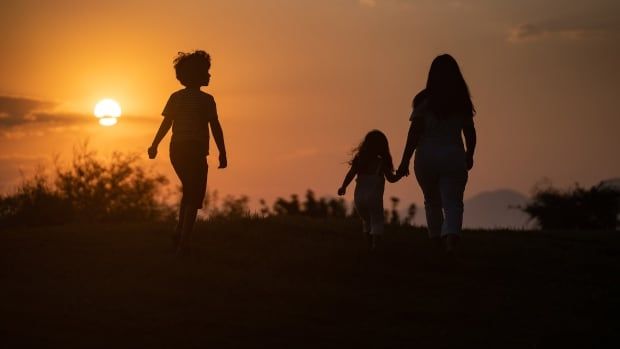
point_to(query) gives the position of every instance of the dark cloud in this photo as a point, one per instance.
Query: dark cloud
(16, 111)
(564, 29)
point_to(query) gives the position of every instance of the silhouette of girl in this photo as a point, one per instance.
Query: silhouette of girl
(441, 113)
(190, 113)
(372, 164)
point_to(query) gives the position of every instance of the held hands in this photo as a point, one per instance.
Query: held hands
(223, 160)
(152, 151)
(403, 169)
(342, 191)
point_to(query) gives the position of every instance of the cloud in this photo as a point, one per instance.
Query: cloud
(19, 110)
(564, 29)
(368, 3)
(24, 117)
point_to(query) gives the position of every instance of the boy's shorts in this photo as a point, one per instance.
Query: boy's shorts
(190, 164)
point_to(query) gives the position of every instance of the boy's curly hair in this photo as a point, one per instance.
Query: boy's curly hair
(191, 67)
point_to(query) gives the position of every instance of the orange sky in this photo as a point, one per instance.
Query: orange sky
(299, 83)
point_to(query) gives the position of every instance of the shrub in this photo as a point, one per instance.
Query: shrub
(90, 189)
(576, 208)
(34, 202)
(118, 189)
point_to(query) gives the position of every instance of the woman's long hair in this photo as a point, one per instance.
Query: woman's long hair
(446, 89)
(374, 145)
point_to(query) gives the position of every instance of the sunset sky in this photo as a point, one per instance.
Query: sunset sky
(299, 83)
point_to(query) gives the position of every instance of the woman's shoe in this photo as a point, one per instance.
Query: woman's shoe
(452, 242)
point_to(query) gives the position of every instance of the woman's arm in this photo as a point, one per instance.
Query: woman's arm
(469, 132)
(166, 123)
(218, 135)
(347, 179)
(413, 138)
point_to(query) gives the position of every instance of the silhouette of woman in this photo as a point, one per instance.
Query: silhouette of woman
(441, 113)
(190, 113)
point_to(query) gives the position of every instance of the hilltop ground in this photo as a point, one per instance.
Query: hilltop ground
(302, 283)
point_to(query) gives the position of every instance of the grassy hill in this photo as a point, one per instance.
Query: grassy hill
(303, 283)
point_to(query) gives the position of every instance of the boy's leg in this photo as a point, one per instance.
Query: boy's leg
(179, 229)
(189, 218)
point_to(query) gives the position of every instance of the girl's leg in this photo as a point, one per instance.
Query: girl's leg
(377, 220)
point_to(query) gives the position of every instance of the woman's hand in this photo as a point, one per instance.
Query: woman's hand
(152, 151)
(469, 161)
(403, 169)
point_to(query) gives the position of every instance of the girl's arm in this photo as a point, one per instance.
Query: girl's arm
(347, 179)
(469, 131)
(218, 135)
(166, 123)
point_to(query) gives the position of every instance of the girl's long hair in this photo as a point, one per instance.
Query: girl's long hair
(374, 145)
(446, 89)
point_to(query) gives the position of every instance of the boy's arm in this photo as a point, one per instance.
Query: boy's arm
(218, 136)
(166, 123)
(469, 132)
(347, 179)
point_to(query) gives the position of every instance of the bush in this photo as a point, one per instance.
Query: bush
(117, 190)
(35, 202)
(90, 189)
(576, 208)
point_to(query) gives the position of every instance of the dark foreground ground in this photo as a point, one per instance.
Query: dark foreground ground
(305, 284)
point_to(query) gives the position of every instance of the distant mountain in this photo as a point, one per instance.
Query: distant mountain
(613, 183)
(495, 209)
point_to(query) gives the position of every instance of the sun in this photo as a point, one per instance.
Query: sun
(108, 111)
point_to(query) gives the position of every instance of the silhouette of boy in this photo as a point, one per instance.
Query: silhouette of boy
(190, 113)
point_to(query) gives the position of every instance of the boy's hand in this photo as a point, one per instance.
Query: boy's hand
(223, 160)
(342, 191)
(152, 152)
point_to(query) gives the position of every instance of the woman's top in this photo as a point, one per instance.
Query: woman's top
(191, 111)
(438, 131)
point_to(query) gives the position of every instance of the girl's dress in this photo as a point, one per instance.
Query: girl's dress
(368, 199)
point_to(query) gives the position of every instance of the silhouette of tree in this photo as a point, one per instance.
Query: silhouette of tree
(337, 208)
(394, 216)
(264, 209)
(283, 207)
(34, 203)
(90, 189)
(411, 211)
(235, 207)
(311, 206)
(118, 189)
(576, 208)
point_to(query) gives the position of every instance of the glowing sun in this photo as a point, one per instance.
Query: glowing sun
(108, 111)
